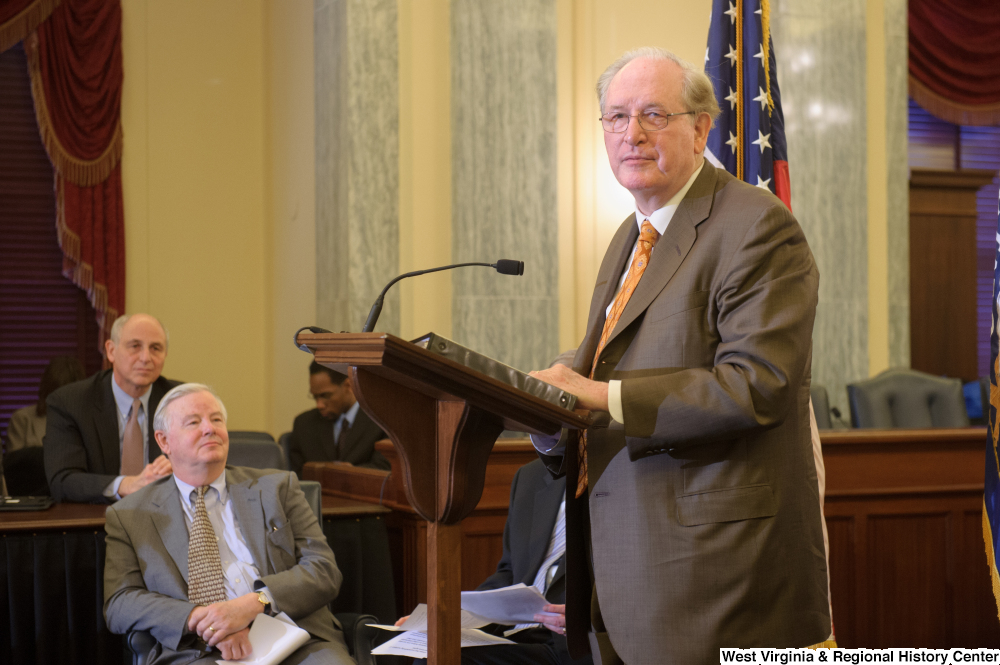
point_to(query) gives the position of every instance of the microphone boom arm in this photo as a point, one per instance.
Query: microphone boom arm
(377, 307)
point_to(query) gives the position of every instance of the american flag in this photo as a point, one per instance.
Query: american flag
(991, 494)
(748, 139)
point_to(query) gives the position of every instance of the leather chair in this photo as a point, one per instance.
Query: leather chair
(25, 472)
(285, 441)
(256, 450)
(821, 406)
(357, 633)
(906, 398)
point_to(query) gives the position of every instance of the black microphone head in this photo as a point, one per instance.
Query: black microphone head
(835, 411)
(509, 267)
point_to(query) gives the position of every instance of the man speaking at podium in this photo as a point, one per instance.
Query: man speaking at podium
(696, 508)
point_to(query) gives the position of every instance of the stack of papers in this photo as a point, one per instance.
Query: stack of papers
(509, 605)
(272, 639)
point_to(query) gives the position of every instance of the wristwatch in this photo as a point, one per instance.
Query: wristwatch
(262, 599)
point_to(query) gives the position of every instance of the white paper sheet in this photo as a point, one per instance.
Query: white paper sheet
(414, 643)
(272, 639)
(418, 621)
(509, 606)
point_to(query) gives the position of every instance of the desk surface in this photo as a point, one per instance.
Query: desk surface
(64, 516)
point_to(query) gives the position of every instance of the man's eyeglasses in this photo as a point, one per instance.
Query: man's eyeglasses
(322, 397)
(651, 121)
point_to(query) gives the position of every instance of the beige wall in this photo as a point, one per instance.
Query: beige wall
(291, 212)
(218, 193)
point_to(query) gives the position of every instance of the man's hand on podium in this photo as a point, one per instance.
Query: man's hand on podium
(591, 395)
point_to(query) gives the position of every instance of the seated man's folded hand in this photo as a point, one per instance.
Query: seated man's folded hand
(236, 646)
(217, 621)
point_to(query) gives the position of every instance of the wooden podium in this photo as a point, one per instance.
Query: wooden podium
(443, 418)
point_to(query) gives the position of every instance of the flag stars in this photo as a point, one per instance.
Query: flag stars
(763, 140)
(731, 14)
(762, 98)
(732, 142)
(764, 184)
(731, 99)
(760, 53)
(732, 55)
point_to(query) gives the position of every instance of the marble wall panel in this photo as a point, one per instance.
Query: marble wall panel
(897, 186)
(820, 51)
(503, 114)
(357, 161)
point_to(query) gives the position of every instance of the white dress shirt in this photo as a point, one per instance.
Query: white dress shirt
(237, 562)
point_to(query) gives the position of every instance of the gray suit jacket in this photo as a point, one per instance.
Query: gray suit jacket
(145, 572)
(703, 508)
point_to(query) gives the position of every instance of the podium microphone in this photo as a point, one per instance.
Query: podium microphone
(503, 266)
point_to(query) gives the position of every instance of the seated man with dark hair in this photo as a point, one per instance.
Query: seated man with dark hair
(337, 430)
(194, 557)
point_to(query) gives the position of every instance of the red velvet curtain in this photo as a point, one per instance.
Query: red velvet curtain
(954, 63)
(18, 18)
(75, 61)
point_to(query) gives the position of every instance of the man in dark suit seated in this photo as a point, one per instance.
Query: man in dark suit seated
(98, 444)
(534, 546)
(337, 430)
(193, 558)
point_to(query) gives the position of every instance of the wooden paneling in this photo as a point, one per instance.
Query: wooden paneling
(482, 531)
(943, 262)
(907, 558)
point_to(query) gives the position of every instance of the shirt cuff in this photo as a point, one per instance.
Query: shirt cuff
(111, 491)
(615, 401)
(548, 445)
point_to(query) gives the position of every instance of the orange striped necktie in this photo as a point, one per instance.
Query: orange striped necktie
(643, 249)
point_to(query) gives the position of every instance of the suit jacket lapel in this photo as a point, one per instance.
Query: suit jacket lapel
(106, 422)
(170, 523)
(543, 520)
(671, 248)
(250, 515)
(610, 272)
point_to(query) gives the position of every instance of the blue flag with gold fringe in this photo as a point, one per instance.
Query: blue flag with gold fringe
(991, 493)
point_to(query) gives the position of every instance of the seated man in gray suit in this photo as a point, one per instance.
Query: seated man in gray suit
(337, 430)
(194, 557)
(98, 444)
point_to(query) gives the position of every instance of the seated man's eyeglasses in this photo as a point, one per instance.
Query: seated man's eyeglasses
(651, 121)
(322, 397)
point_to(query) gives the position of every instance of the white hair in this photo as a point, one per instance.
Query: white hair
(697, 93)
(161, 421)
(119, 325)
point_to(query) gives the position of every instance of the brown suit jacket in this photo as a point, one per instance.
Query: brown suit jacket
(703, 508)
